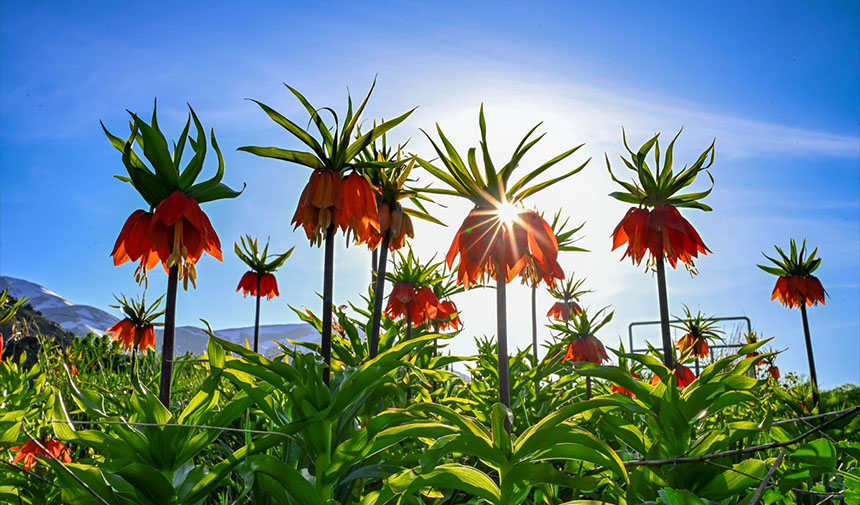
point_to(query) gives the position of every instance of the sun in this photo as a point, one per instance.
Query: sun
(507, 213)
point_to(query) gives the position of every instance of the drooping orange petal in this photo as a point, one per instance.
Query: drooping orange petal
(269, 286)
(620, 389)
(659, 231)
(248, 283)
(588, 349)
(445, 311)
(147, 341)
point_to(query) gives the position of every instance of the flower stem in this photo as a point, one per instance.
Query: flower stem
(378, 293)
(668, 357)
(328, 281)
(588, 388)
(168, 337)
(534, 322)
(502, 331)
(408, 337)
(812, 375)
(257, 318)
(134, 377)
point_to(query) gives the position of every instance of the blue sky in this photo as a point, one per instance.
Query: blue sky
(775, 83)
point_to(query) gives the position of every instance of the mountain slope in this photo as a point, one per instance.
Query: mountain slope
(83, 319)
(79, 319)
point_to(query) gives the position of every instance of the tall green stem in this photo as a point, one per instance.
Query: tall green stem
(668, 357)
(812, 375)
(534, 322)
(328, 282)
(168, 337)
(378, 293)
(502, 332)
(257, 318)
(407, 338)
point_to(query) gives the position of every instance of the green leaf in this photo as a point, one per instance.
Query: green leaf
(294, 129)
(449, 476)
(300, 157)
(734, 482)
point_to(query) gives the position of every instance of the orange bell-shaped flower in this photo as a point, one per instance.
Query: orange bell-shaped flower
(620, 389)
(358, 212)
(267, 282)
(418, 305)
(564, 311)
(444, 311)
(697, 345)
(182, 231)
(587, 348)
(794, 291)
(394, 220)
(661, 231)
(134, 244)
(319, 204)
(30, 452)
(131, 336)
(683, 375)
(485, 242)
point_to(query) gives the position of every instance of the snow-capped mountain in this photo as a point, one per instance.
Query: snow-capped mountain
(84, 319)
(78, 319)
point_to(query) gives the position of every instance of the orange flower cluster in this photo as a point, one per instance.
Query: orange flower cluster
(586, 349)
(564, 311)
(30, 452)
(623, 390)
(795, 290)
(346, 202)
(421, 306)
(773, 371)
(177, 233)
(660, 231)
(484, 242)
(683, 375)
(394, 220)
(267, 282)
(418, 306)
(444, 311)
(698, 344)
(133, 336)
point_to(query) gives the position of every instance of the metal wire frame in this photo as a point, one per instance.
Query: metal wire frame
(675, 321)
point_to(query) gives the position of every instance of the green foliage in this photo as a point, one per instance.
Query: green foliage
(338, 148)
(403, 428)
(8, 307)
(794, 263)
(164, 177)
(660, 187)
(493, 187)
(258, 262)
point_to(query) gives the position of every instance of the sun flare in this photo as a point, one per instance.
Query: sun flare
(507, 213)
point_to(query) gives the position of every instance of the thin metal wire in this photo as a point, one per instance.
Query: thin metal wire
(28, 472)
(64, 467)
(177, 425)
(676, 321)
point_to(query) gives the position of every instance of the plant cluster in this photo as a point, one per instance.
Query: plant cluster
(377, 413)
